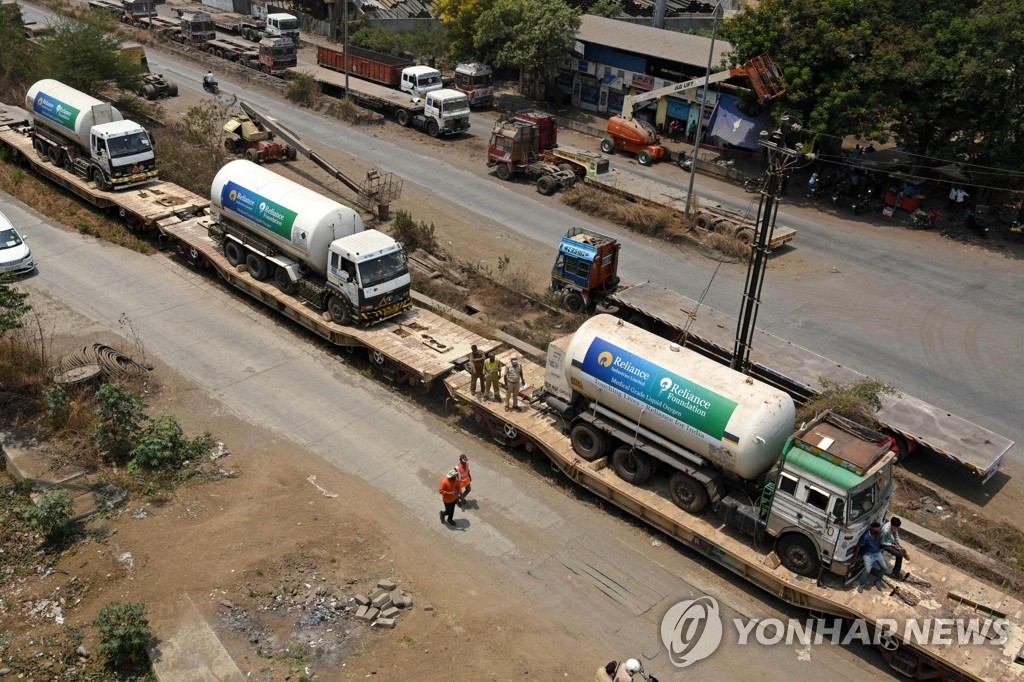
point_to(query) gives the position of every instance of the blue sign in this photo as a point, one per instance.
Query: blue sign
(579, 250)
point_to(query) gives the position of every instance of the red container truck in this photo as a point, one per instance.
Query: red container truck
(365, 64)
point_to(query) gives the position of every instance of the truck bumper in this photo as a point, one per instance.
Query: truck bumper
(372, 317)
(136, 179)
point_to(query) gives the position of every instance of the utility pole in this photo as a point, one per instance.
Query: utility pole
(781, 159)
(700, 121)
(345, 43)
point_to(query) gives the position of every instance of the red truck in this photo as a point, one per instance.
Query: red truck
(365, 64)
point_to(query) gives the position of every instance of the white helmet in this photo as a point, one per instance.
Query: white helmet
(633, 666)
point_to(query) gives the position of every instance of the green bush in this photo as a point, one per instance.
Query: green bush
(124, 634)
(414, 235)
(161, 445)
(51, 515)
(120, 418)
(58, 406)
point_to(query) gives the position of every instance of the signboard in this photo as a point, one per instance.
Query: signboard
(642, 81)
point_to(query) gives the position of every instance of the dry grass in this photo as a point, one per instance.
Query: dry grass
(23, 371)
(191, 150)
(640, 218)
(727, 246)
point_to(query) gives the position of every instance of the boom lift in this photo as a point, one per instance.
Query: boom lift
(639, 137)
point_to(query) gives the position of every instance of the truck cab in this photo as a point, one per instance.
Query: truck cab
(371, 271)
(448, 110)
(281, 25)
(475, 80)
(124, 152)
(136, 10)
(585, 268)
(197, 28)
(419, 80)
(277, 55)
(833, 480)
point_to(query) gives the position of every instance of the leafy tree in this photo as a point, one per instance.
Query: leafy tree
(51, 514)
(83, 53)
(14, 45)
(460, 20)
(606, 8)
(124, 634)
(424, 44)
(120, 419)
(527, 34)
(12, 306)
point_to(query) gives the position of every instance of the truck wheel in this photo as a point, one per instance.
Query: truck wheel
(54, 155)
(632, 465)
(338, 310)
(607, 146)
(588, 442)
(257, 266)
(432, 128)
(40, 148)
(149, 92)
(100, 180)
(233, 252)
(567, 167)
(575, 303)
(797, 553)
(290, 153)
(745, 235)
(172, 89)
(687, 492)
(644, 158)
(403, 118)
(502, 171)
(702, 222)
(253, 155)
(283, 281)
(231, 144)
(546, 185)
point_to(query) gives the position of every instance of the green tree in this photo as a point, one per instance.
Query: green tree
(12, 306)
(15, 47)
(606, 8)
(527, 34)
(124, 635)
(120, 418)
(83, 53)
(460, 20)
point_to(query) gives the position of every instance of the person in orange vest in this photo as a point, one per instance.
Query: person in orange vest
(464, 478)
(449, 490)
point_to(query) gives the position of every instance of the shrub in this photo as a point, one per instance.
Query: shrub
(162, 445)
(302, 89)
(120, 414)
(124, 634)
(51, 515)
(58, 406)
(414, 235)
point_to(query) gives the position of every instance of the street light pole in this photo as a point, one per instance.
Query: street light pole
(700, 121)
(345, 43)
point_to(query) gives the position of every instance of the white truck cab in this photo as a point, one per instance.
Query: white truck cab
(370, 269)
(419, 80)
(124, 150)
(449, 109)
(281, 25)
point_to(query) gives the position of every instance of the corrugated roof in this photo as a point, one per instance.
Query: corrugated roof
(684, 48)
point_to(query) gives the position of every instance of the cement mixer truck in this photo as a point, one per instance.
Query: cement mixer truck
(88, 137)
(311, 246)
(727, 439)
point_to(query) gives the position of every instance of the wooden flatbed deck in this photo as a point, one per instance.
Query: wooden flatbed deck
(372, 95)
(951, 593)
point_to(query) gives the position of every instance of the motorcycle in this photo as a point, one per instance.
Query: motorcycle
(972, 224)
(211, 86)
(756, 184)
(862, 202)
(927, 221)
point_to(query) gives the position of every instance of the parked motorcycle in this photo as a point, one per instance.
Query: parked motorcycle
(756, 184)
(972, 224)
(862, 202)
(927, 221)
(211, 86)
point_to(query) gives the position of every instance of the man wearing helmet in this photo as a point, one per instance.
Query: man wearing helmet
(449, 490)
(464, 478)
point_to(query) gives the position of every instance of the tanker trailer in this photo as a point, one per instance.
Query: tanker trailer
(726, 440)
(88, 137)
(313, 246)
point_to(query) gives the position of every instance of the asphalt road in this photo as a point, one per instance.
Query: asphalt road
(533, 532)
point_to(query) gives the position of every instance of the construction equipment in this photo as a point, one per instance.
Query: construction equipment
(151, 85)
(375, 193)
(252, 140)
(639, 137)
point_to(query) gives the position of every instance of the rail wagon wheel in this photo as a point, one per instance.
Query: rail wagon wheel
(511, 432)
(378, 358)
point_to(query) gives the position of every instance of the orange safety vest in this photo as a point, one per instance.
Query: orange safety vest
(449, 489)
(464, 476)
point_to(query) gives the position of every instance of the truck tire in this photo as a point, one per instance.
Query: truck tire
(65, 161)
(503, 171)
(797, 553)
(402, 116)
(283, 281)
(231, 144)
(546, 185)
(687, 492)
(567, 167)
(432, 128)
(149, 92)
(290, 153)
(172, 89)
(644, 158)
(233, 252)
(702, 222)
(745, 235)
(257, 266)
(40, 148)
(588, 442)
(100, 180)
(253, 155)
(607, 146)
(575, 303)
(53, 153)
(632, 465)
(338, 310)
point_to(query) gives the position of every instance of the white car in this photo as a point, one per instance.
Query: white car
(15, 257)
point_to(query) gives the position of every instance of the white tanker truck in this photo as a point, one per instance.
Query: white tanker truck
(312, 246)
(88, 137)
(728, 440)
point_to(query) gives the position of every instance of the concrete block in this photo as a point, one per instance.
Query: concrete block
(366, 613)
(388, 623)
(390, 612)
(386, 584)
(406, 600)
(382, 602)
(361, 599)
(376, 593)
(396, 595)
(361, 612)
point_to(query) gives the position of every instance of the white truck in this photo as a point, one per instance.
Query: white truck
(725, 439)
(89, 137)
(281, 25)
(418, 80)
(310, 245)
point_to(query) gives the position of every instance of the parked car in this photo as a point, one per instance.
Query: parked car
(15, 256)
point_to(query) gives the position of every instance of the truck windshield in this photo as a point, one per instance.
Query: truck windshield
(455, 106)
(127, 145)
(866, 499)
(288, 24)
(382, 269)
(432, 79)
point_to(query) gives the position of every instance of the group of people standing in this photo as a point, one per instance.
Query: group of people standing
(486, 369)
(454, 488)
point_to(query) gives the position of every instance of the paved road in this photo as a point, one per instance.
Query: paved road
(534, 533)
